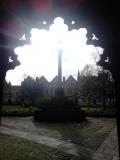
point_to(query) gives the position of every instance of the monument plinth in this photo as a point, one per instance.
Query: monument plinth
(59, 109)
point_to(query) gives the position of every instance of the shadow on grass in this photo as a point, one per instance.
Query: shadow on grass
(89, 133)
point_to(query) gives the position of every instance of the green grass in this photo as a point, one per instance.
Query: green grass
(75, 132)
(91, 109)
(99, 110)
(18, 109)
(88, 134)
(12, 148)
(83, 133)
(93, 131)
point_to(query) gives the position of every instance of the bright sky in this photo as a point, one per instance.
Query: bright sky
(41, 57)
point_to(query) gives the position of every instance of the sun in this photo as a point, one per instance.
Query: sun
(40, 58)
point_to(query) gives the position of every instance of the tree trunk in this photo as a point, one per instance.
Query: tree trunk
(104, 106)
(104, 94)
(2, 78)
(110, 103)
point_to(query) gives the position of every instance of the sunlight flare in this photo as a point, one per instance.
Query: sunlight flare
(40, 58)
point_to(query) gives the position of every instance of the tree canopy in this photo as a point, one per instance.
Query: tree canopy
(93, 87)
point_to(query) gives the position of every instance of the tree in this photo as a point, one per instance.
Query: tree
(93, 85)
(88, 88)
(106, 87)
(89, 70)
(87, 83)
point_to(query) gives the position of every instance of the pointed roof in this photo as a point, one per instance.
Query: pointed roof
(71, 79)
(55, 79)
(43, 79)
(55, 82)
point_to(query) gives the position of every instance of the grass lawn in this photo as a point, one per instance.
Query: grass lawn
(12, 148)
(99, 111)
(17, 109)
(29, 110)
(89, 133)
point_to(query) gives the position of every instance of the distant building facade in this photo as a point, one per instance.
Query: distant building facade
(70, 86)
(13, 93)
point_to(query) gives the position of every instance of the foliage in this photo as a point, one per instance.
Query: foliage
(93, 87)
(89, 70)
(88, 83)
(42, 101)
(106, 83)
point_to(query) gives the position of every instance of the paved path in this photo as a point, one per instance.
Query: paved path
(109, 148)
(64, 146)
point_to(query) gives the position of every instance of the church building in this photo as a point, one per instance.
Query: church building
(69, 85)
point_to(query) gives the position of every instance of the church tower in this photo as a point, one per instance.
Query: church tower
(60, 65)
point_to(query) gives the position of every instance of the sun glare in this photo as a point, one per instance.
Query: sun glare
(40, 58)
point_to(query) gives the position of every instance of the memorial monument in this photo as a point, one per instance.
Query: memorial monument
(59, 108)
